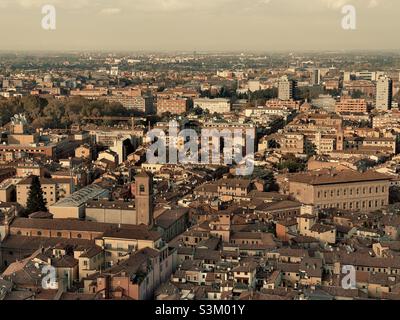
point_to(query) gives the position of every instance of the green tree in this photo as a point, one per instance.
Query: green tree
(54, 111)
(197, 111)
(310, 149)
(36, 201)
(292, 165)
(394, 195)
(33, 105)
(266, 94)
(357, 94)
(166, 116)
(273, 144)
(270, 182)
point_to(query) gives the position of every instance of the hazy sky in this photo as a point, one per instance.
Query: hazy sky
(201, 25)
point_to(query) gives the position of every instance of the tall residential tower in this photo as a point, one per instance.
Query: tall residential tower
(384, 93)
(286, 89)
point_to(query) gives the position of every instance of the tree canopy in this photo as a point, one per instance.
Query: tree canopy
(53, 113)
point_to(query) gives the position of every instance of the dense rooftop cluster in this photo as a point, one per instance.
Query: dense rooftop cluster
(322, 196)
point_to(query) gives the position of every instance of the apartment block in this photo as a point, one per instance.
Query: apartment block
(144, 104)
(346, 190)
(286, 88)
(346, 105)
(172, 105)
(213, 105)
(384, 93)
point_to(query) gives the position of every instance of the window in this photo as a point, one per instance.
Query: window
(142, 188)
(39, 233)
(79, 235)
(59, 234)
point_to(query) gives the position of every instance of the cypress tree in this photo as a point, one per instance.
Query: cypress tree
(36, 201)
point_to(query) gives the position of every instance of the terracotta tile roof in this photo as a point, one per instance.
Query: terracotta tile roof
(138, 232)
(33, 243)
(169, 217)
(234, 183)
(65, 262)
(334, 177)
(279, 205)
(322, 228)
(64, 224)
(91, 252)
(288, 267)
